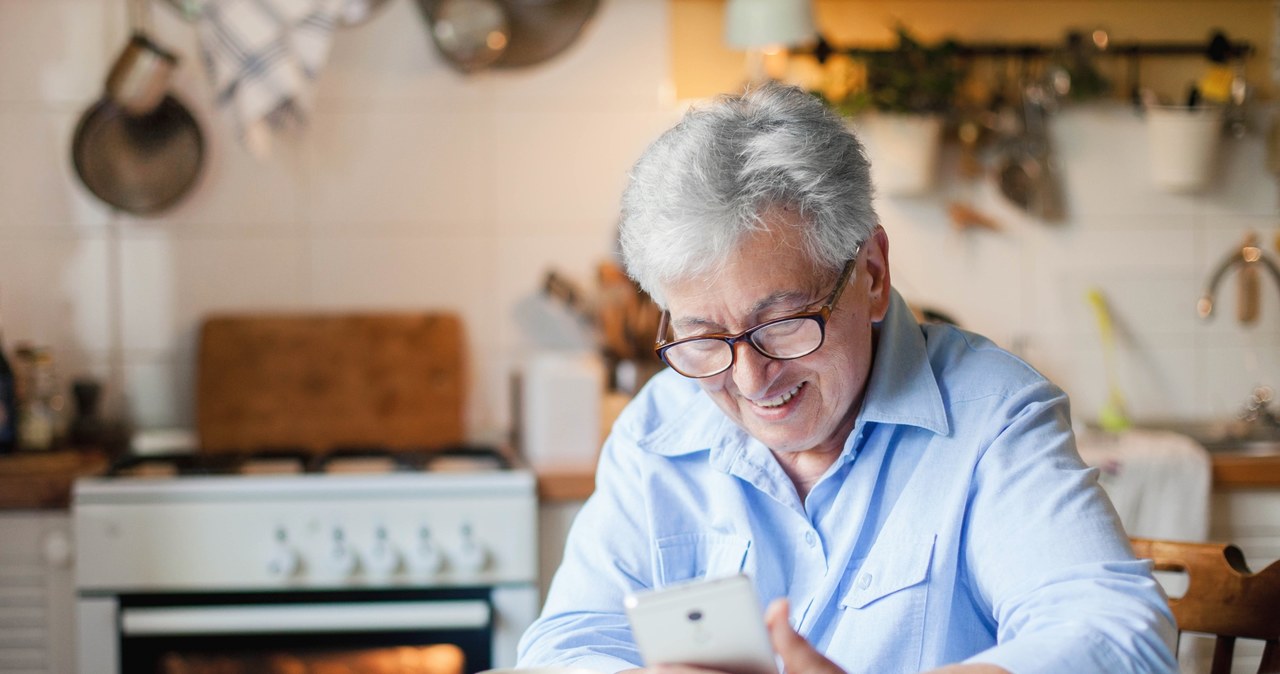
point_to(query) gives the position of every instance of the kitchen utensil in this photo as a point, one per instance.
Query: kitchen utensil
(319, 381)
(1248, 285)
(1028, 174)
(139, 78)
(138, 163)
(1182, 143)
(471, 34)
(1113, 416)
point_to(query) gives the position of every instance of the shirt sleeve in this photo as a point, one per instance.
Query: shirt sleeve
(606, 556)
(1047, 556)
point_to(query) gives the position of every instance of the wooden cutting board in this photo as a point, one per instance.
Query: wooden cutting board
(317, 382)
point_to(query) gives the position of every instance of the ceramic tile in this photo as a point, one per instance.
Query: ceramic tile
(52, 51)
(40, 193)
(1156, 382)
(619, 62)
(408, 273)
(563, 172)
(1103, 150)
(1219, 238)
(1232, 372)
(1149, 308)
(169, 289)
(55, 292)
(1243, 186)
(390, 62)
(489, 402)
(531, 319)
(158, 392)
(235, 192)
(398, 172)
(975, 278)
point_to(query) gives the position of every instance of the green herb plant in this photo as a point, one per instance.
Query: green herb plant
(911, 77)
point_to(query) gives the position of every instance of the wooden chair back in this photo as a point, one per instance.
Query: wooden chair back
(1223, 598)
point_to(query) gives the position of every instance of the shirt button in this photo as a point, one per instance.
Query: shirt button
(865, 581)
(810, 538)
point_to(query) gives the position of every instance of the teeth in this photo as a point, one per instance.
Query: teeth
(780, 400)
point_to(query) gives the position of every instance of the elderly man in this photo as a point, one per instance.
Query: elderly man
(907, 496)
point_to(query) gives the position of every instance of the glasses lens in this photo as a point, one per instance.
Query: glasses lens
(789, 339)
(699, 357)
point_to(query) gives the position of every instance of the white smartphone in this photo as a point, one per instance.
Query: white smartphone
(717, 624)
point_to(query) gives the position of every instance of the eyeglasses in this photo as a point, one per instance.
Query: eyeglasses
(785, 338)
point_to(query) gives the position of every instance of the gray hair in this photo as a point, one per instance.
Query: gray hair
(708, 181)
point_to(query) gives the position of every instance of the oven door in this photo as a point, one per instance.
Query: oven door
(403, 631)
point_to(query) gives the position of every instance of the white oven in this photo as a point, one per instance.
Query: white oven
(406, 571)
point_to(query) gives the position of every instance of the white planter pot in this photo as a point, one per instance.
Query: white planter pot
(903, 149)
(1182, 143)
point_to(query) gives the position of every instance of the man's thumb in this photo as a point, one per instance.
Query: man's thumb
(797, 655)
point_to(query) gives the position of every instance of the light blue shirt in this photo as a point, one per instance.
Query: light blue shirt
(958, 524)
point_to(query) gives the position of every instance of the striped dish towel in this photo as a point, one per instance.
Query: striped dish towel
(263, 57)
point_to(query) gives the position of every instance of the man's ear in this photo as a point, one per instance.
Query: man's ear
(876, 265)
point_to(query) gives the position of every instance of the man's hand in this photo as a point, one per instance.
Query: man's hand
(798, 657)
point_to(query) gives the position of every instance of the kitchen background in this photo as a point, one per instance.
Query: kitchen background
(416, 187)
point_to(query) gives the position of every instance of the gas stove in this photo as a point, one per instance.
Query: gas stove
(229, 545)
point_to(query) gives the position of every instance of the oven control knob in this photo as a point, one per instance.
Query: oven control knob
(342, 559)
(383, 558)
(427, 559)
(472, 556)
(284, 562)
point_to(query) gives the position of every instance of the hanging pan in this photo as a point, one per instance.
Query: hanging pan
(476, 34)
(541, 29)
(137, 148)
(142, 164)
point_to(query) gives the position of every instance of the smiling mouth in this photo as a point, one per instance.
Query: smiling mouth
(780, 400)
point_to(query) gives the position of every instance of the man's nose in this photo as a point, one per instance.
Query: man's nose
(750, 370)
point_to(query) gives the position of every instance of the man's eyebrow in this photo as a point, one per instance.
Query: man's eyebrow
(770, 301)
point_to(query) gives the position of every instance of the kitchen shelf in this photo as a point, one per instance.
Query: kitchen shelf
(1230, 50)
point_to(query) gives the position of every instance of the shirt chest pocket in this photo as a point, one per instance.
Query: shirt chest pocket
(700, 555)
(884, 605)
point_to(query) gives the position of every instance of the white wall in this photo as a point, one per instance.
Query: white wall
(415, 187)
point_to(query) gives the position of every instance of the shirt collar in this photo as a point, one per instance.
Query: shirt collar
(902, 389)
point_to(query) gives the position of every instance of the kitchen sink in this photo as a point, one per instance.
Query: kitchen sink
(1237, 437)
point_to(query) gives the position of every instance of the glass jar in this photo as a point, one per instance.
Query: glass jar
(41, 403)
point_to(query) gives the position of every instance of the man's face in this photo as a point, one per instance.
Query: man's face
(809, 403)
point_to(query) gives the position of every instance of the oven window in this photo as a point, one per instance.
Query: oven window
(437, 659)
(407, 632)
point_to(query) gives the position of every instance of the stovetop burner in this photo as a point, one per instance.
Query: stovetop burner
(297, 461)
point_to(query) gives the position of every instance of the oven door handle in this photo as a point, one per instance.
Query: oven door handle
(305, 618)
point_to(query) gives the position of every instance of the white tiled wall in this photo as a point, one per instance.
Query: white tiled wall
(416, 187)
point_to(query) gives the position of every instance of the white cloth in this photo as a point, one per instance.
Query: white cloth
(1158, 481)
(263, 57)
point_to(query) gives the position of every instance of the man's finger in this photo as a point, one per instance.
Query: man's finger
(798, 657)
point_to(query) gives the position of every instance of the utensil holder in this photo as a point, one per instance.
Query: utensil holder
(1182, 144)
(903, 149)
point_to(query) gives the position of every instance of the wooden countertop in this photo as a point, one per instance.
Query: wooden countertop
(558, 485)
(42, 480)
(1245, 471)
(1230, 471)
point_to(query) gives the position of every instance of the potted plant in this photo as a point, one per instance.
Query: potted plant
(900, 108)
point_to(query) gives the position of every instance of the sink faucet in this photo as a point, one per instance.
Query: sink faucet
(1258, 409)
(1245, 257)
